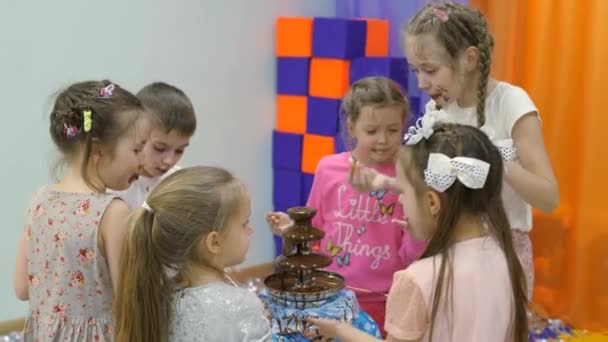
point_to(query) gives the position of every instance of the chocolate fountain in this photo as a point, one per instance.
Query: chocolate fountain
(300, 279)
(300, 289)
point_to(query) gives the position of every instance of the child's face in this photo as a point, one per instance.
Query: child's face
(237, 234)
(117, 170)
(421, 224)
(378, 132)
(163, 150)
(437, 74)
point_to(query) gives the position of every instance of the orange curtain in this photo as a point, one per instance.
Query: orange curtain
(558, 51)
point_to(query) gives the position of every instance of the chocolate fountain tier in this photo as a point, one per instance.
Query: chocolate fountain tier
(302, 229)
(304, 262)
(287, 286)
(299, 234)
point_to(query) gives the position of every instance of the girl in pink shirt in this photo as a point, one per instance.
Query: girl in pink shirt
(366, 245)
(469, 284)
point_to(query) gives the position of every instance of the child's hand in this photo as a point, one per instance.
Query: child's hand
(365, 179)
(278, 222)
(326, 328)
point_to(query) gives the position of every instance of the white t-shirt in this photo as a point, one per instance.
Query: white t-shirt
(137, 193)
(504, 106)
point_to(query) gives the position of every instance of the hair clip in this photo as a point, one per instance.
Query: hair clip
(441, 15)
(147, 207)
(70, 131)
(107, 91)
(442, 171)
(87, 121)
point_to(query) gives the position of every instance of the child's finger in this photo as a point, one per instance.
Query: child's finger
(402, 223)
(352, 169)
(359, 178)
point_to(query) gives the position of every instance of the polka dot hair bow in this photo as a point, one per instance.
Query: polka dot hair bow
(442, 171)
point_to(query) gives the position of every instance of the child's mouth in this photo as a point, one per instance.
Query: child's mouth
(440, 95)
(380, 151)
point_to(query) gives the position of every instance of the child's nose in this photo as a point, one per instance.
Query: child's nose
(423, 83)
(169, 159)
(382, 137)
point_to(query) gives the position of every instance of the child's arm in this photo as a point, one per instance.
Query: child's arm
(533, 180)
(20, 277)
(113, 229)
(329, 328)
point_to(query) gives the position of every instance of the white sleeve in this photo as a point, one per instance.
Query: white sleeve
(515, 104)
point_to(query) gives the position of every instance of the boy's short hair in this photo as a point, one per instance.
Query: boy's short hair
(169, 106)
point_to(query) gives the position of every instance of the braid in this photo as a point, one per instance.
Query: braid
(484, 45)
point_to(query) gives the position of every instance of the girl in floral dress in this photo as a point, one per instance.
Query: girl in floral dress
(67, 260)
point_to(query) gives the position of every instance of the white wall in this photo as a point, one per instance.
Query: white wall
(220, 52)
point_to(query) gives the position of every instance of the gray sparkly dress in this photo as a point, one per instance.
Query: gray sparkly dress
(218, 312)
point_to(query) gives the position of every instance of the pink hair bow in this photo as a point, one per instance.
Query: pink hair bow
(107, 91)
(70, 131)
(441, 15)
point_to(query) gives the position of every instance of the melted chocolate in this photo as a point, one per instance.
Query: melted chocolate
(287, 282)
(302, 262)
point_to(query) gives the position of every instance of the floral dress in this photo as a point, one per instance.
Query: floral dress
(70, 291)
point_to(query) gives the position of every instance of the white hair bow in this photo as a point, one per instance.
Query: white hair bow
(423, 128)
(441, 172)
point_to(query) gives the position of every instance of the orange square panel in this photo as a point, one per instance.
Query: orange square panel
(291, 113)
(294, 37)
(328, 77)
(376, 40)
(314, 148)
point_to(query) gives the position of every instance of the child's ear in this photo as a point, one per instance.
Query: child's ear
(212, 243)
(471, 59)
(434, 202)
(97, 152)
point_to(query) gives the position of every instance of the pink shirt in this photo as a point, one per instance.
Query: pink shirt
(482, 300)
(366, 246)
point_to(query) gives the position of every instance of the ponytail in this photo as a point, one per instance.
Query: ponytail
(144, 295)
